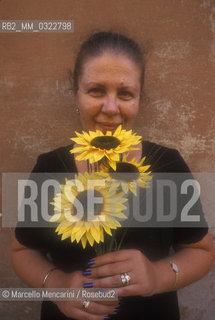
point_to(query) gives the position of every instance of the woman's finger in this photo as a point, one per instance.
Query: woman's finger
(111, 269)
(111, 257)
(127, 291)
(84, 315)
(112, 303)
(98, 308)
(94, 311)
(115, 281)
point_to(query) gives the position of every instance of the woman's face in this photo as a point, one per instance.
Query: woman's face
(109, 92)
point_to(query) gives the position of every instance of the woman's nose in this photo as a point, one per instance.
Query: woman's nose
(110, 105)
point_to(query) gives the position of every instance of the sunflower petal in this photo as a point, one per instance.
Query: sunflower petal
(66, 235)
(112, 165)
(95, 234)
(90, 238)
(84, 241)
(108, 230)
(125, 187)
(133, 188)
(80, 234)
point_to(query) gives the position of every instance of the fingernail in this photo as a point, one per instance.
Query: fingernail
(87, 273)
(90, 263)
(106, 317)
(88, 285)
(116, 309)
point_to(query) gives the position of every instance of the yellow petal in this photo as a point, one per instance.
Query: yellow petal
(72, 237)
(112, 165)
(83, 156)
(79, 141)
(80, 233)
(87, 136)
(133, 188)
(142, 160)
(101, 234)
(79, 149)
(84, 241)
(124, 187)
(55, 217)
(117, 131)
(66, 235)
(108, 230)
(95, 234)
(144, 168)
(90, 238)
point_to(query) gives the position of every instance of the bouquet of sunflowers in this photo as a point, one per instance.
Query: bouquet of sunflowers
(107, 182)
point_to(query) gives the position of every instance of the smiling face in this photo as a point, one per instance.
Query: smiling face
(109, 92)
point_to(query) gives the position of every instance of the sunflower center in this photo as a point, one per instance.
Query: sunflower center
(105, 142)
(125, 171)
(88, 200)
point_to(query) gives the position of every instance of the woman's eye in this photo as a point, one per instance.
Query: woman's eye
(125, 94)
(96, 91)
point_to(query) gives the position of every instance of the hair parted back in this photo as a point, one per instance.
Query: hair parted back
(98, 43)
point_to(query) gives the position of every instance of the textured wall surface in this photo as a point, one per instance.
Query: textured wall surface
(37, 104)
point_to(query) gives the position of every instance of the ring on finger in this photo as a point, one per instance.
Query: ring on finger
(85, 304)
(125, 278)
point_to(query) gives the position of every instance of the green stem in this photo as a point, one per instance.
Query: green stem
(88, 166)
(112, 240)
(99, 249)
(123, 237)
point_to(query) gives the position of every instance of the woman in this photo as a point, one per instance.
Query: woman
(108, 83)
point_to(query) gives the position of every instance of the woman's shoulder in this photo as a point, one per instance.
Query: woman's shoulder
(56, 160)
(162, 158)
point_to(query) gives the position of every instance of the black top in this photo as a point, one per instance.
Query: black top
(154, 242)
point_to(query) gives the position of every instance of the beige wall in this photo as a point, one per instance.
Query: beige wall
(37, 106)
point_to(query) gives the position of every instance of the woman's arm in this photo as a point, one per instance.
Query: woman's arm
(31, 266)
(193, 261)
(148, 278)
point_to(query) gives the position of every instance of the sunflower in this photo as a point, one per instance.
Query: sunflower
(129, 175)
(78, 218)
(96, 145)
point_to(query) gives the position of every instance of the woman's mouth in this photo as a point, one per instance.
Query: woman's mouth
(107, 126)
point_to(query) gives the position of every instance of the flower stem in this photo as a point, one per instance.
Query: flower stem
(122, 238)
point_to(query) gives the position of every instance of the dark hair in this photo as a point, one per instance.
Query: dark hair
(97, 43)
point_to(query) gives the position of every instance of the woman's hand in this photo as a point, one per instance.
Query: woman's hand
(107, 270)
(147, 278)
(74, 308)
(32, 266)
